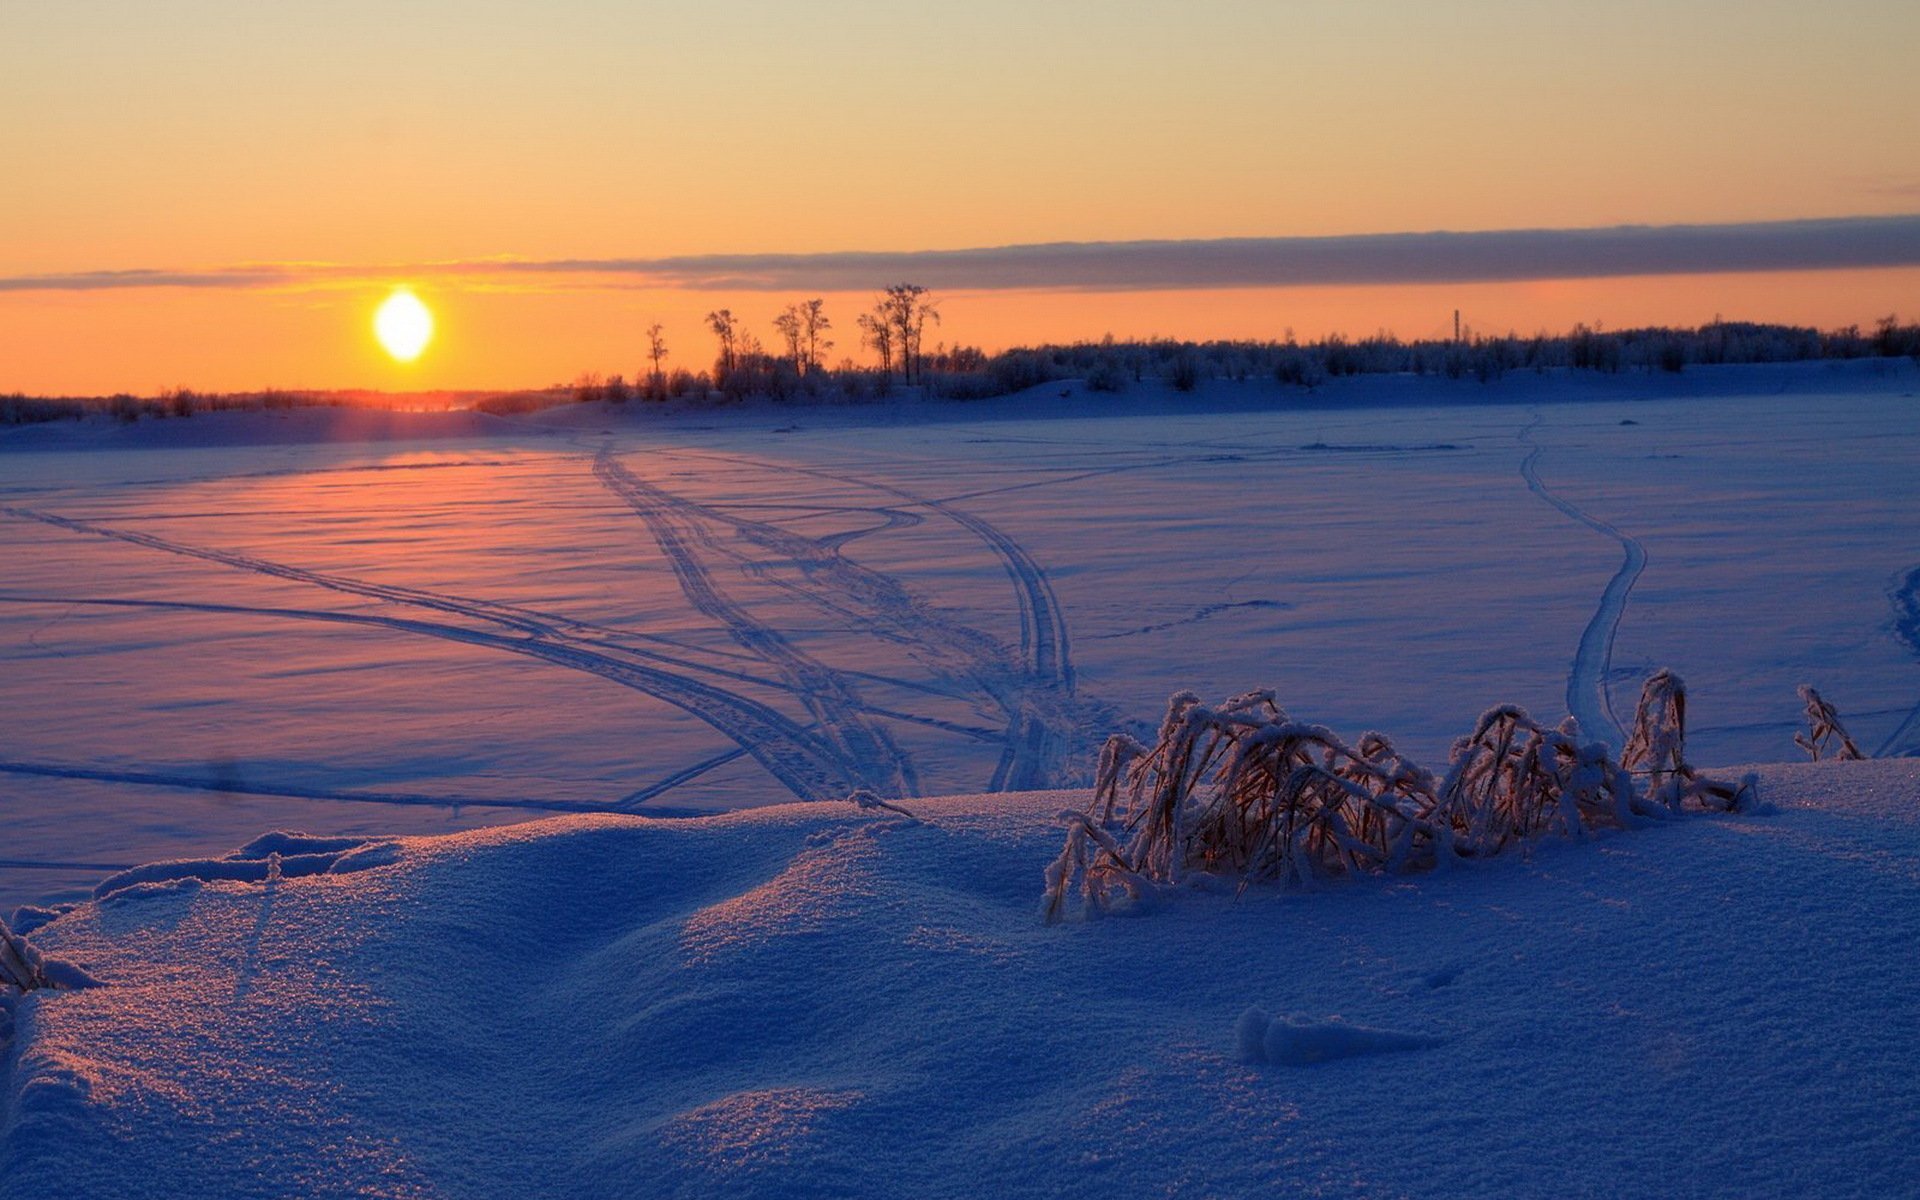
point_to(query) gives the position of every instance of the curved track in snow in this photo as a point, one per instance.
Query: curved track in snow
(1588, 698)
(865, 751)
(801, 761)
(241, 787)
(1034, 742)
(1905, 596)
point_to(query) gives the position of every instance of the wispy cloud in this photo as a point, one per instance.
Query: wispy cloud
(1390, 258)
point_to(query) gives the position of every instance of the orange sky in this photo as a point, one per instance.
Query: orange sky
(147, 340)
(205, 133)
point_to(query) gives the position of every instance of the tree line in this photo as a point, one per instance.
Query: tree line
(894, 329)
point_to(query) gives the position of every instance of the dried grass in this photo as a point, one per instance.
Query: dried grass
(1242, 793)
(20, 965)
(1824, 730)
(1657, 748)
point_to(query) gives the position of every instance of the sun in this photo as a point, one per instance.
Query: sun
(403, 325)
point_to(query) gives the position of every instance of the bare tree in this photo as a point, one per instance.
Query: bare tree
(875, 332)
(657, 352)
(814, 324)
(906, 308)
(789, 326)
(724, 328)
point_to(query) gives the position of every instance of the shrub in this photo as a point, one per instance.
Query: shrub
(1107, 376)
(1183, 372)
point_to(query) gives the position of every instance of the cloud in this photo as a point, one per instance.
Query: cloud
(1387, 258)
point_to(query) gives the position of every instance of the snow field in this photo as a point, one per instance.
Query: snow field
(826, 1000)
(601, 611)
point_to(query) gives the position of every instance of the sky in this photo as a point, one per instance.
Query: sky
(293, 162)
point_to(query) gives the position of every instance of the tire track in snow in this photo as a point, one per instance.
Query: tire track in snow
(801, 762)
(535, 624)
(864, 750)
(1206, 612)
(1905, 596)
(788, 751)
(1044, 637)
(1588, 697)
(241, 787)
(1034, 741)
(511, 616)
(25, 864)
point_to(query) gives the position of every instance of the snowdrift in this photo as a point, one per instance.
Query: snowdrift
(830, 1000)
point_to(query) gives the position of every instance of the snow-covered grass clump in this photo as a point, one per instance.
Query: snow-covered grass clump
(24, 969)
(1244, 793)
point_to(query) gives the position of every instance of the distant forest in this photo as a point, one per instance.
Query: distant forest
(796, 366)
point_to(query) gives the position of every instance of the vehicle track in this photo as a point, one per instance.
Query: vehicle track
(240, 787)
(1905, 595)
(1044, 638)
(808, 767)
(27, 864)
(1588, 696)
(1035, 742)
(865, 750)
(1204, 613)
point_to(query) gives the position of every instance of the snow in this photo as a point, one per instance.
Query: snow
(1297, 1041)
(822, 999)
(493, 671)
(366, 624)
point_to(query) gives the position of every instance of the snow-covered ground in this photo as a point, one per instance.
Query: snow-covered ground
(372, 628)
(352, 623)
(819, 1000)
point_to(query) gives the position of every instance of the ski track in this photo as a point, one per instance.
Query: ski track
(1588, 697)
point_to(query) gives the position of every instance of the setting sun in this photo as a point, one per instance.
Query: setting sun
(403, 325)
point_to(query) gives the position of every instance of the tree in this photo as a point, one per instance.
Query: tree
(657, 352)
(788, 325)
(875, 332)
(803, 327)
(724, 328)
(814, 324)
(906, 308)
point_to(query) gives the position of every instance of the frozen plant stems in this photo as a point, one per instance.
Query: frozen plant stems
(1243, 793)
(1825, 736)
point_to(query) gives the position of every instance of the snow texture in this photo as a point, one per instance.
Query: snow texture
(370, 624)
(815, 1000)
(1296, 1041)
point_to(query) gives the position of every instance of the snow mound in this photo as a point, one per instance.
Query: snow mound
(272, 855)
(815, 1000)
(1298, 1042)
